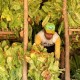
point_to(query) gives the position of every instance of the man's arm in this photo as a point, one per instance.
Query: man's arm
(37, 40)
(57, 48)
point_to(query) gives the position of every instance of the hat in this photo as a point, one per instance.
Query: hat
(49, 28)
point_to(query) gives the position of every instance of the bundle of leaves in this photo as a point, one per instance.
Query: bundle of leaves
(38, 10)
(11, 14)
(42, 65)
(11, 56)
(73, 13)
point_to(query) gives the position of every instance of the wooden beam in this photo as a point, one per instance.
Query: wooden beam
(67, 65)
(73, 30)
(6, 32)
(25, 38)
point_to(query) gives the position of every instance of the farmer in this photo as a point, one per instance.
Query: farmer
(49, 39)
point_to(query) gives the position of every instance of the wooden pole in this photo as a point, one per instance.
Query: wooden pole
(25, 38)
(67, 65)
(62, 62)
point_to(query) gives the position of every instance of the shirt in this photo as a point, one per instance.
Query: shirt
(41, 39)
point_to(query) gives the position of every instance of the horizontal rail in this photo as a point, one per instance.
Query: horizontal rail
(6, 32)
(73, 30)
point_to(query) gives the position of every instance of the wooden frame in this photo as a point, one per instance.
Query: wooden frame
(73, 30)
(6, 32)
(4, 35)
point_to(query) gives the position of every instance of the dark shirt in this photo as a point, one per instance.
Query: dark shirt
(50, 48)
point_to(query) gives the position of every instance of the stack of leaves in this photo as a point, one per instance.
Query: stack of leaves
(38, 10)
(11, 15)
(73, 13)
(11, 57)
(42, 65)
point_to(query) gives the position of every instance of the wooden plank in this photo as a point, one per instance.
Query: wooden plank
(67, 62)
(9, 37)
(74, 29)
(6, 32)
(25, 76)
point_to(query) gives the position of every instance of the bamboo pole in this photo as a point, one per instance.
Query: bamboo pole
(67, 65)
(25, 38)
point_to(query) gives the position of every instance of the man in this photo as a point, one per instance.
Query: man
(49, 39)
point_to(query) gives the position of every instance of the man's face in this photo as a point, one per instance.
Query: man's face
(48, 35)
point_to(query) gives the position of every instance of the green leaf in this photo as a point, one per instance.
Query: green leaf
(15, 5)
(3, 25)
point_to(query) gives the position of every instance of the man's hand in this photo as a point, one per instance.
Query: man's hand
(56, 66)
(57, 63)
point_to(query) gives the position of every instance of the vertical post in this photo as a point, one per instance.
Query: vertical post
(62, 62)
(67, 65)
(25, 38)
